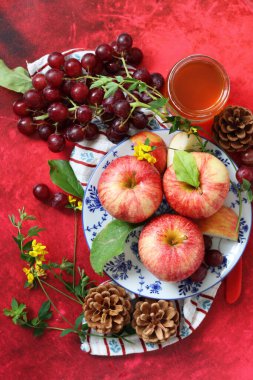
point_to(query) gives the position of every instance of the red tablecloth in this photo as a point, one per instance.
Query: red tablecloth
(166, 31)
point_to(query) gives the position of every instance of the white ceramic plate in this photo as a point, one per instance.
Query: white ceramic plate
(127, 270)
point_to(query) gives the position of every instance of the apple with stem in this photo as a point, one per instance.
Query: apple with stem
(171, 247)
(130, 190)
(205, 199)
(160, 151)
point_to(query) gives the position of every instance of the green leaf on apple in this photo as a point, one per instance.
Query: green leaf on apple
(62, 175)
(186, 169)
(108, 243)
(17, 79)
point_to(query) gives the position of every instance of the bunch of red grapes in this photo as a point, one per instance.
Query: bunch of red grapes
(245, 170)
(63, 95)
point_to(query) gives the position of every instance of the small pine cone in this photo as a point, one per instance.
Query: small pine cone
(107, 308)
(155, 321)
(233, 129)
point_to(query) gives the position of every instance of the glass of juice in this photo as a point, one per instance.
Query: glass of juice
(198, 88)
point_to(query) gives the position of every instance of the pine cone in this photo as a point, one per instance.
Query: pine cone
(107, 308)
(155, 321)
(233, 129)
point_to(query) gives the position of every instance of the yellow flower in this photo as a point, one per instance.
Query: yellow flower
(37, 249)
(71, 199)
(79, 205)
(141, 152)
(76, 205)
(39, 271)
(29, 275)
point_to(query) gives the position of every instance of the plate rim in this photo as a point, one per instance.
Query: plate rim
(170, 298)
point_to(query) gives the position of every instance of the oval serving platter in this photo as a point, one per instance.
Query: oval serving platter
(127, 270)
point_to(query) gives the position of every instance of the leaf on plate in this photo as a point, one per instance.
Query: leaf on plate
(108, 243)
(158, 103)
(17, 79)
(185, 167)
(62, 175)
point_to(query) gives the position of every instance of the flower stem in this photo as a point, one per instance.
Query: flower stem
(75, 246)
(59, 291)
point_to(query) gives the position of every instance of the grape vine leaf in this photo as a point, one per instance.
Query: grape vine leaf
(17, 79)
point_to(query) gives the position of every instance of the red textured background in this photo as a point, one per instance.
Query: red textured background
(166, 31)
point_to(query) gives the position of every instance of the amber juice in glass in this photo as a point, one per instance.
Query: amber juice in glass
(198, 88)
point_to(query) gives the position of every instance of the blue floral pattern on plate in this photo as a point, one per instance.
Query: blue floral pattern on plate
(127, 269)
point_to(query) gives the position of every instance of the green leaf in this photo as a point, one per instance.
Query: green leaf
(29, 259)
(12, 220)
(44, 310)
(17, 79)
(108, 243)
(142, 87)
(17, 241)
(14, 304)
(246, 185)
(158, 103)
(133, 86)
(66, 332)
(34, 231)
(78, 321)
(38, 331)
(27, 246)
(62, 175)
(250, 195)
(111, 88)
(185, 167)
(119, 78)
(100, 82)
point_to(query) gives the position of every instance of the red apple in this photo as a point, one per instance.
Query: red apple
(160, 152)
(171, 247)
(208, 198)
(130, 190)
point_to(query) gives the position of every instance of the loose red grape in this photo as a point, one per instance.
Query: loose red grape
(104, 52)
(199, 274)
(26, 126)
(51, 94)
(84, 114)
(121, 108)
(89, 61)
(91, 131)
(45, 130)
(33, 99)
(120, 126)
(79, 92)
(73, 67)
(56, 142)
(58, 111)
(134, 56)
(124, 41)
(41, 192)
(247, 157)
(207, 242)
(55, 60)
(213, 258)
(142, 75)
(114, 136)
(54, 77)
(96, 96)
(39, 82)
(245, 172)
(75, 133)
(59, 200)
(157, 81)
(139, 120)
(20, 108)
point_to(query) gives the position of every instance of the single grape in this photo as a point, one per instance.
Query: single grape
(89, 61)
(247, 157)
(26, 126)
(107, 117)
(121, 108)
(245, 172)
(207, 242)
(84, 114)
(91, 131)
(134, 56)
(116, 50)
(66, 86)
(56, 142)
(120, 126)
(213, 258)
(98, 69)
(139, 120)
(108, 104)
(96, 96)
(75, 133)
(55, 60)
(157, 81)
(51, 94)
(58, 111)
(39, 82)
(118, 95)
(130, 99)
(124, 41)
(79, 92)
(20, 108)
(45, 130)
(199, 274)
(59, 200)
(104, 52)
(54, 77)
(73, 67)
(41, 192)
(114, 136)
(33, 99)
(145, 97)
(143, 75)
(113, 67)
